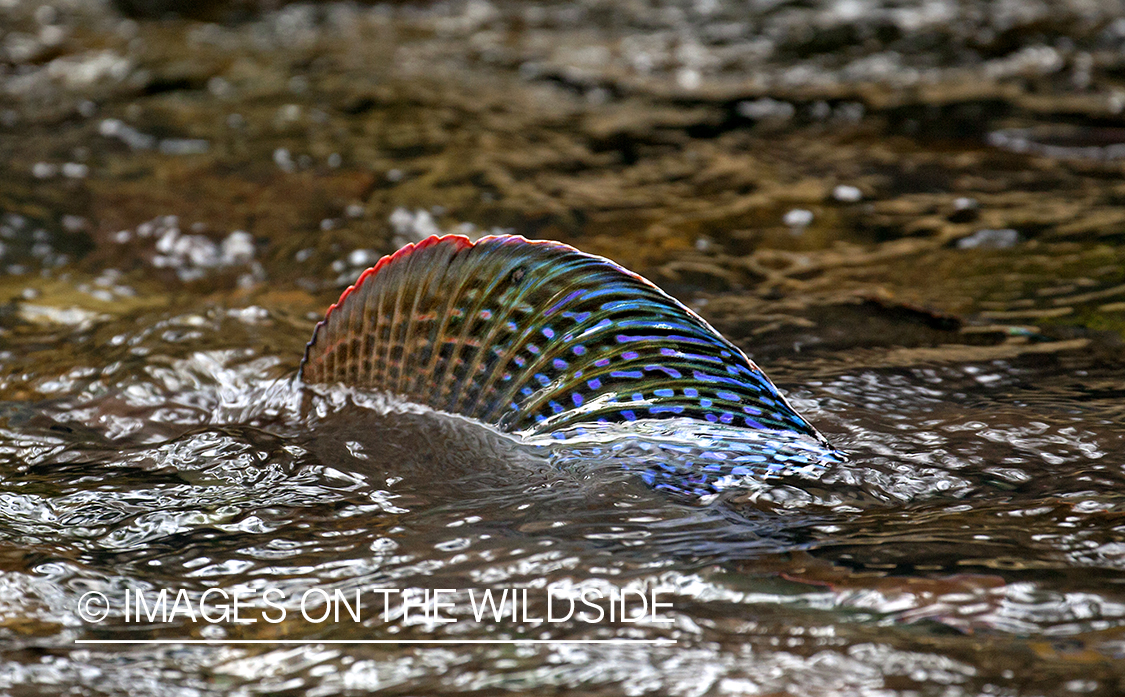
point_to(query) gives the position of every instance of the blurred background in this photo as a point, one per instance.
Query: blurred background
(839, 150)
(910, 213)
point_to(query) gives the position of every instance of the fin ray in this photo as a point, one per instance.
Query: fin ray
(534, 337)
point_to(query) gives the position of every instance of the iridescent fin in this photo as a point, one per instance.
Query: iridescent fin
(536, 337)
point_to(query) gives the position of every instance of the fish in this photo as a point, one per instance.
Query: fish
(565, 350)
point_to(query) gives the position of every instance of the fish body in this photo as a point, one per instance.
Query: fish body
(550, 344)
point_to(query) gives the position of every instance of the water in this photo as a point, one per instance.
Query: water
(181, 200)
(971, 534)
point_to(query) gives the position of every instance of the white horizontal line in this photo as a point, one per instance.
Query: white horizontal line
(219, 642)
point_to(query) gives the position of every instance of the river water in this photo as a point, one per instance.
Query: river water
(909, 214)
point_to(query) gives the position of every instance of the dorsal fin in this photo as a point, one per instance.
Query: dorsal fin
(534, 337)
